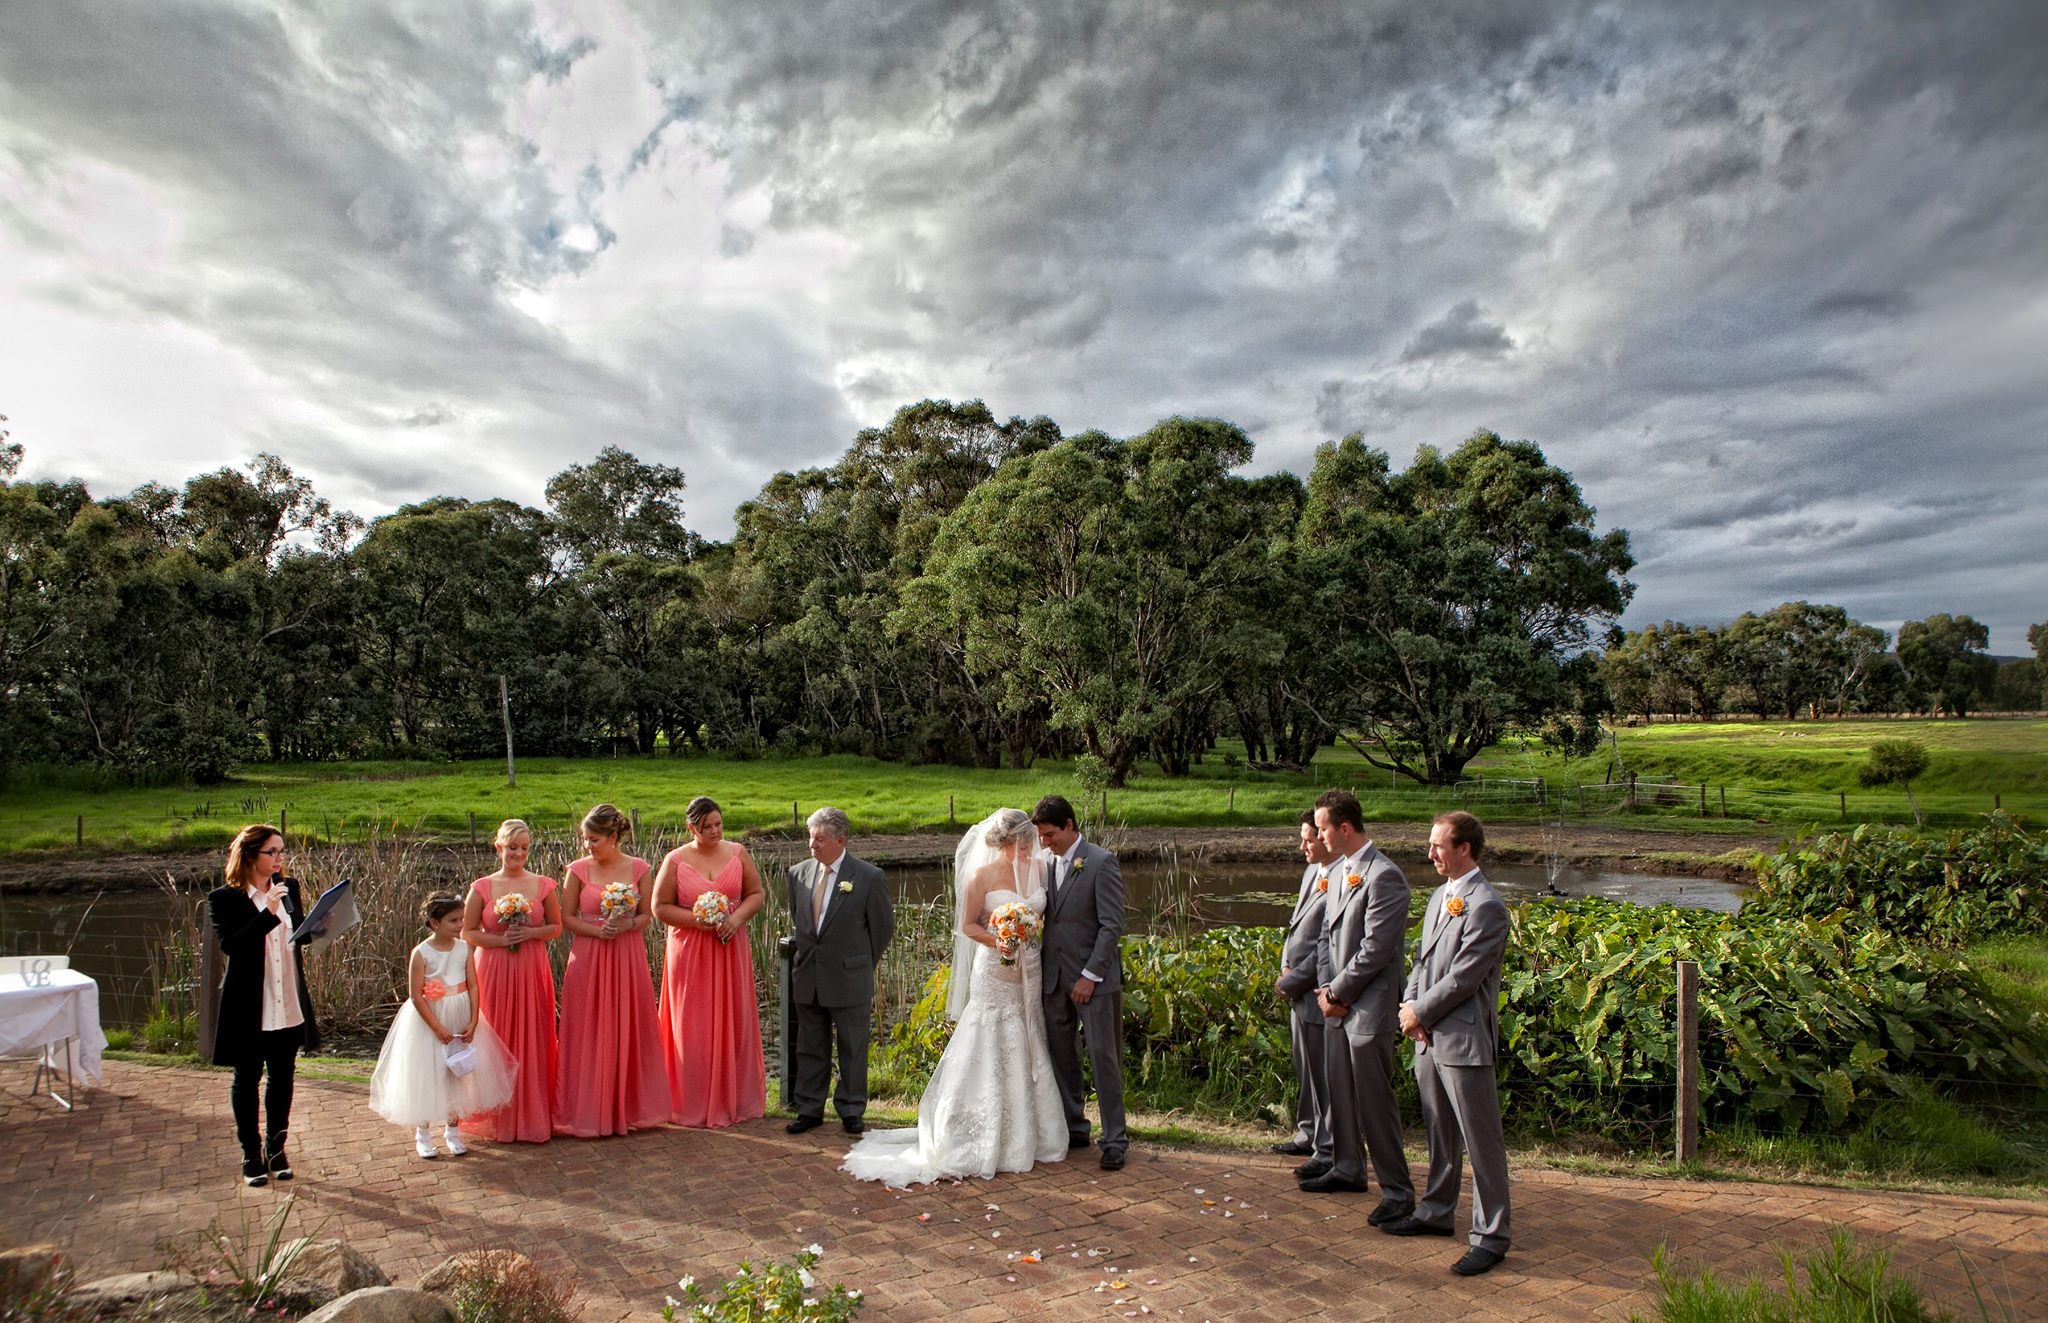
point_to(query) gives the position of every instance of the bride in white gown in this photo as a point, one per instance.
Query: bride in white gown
(992, 1104)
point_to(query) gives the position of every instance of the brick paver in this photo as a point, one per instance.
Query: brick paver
(1192, 1234)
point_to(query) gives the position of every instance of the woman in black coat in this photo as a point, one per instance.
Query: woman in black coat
(266, 1014)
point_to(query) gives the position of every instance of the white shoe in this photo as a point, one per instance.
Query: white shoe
(423, 1144)
(453, 1139)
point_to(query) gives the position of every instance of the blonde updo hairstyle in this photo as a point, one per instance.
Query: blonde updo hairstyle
(510, 830)
(1007, 828)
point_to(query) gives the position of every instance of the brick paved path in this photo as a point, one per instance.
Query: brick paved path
(1195, 1235)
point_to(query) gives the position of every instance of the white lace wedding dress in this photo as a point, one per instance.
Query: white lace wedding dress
(992, 1104)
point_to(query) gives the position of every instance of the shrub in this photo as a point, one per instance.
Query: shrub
(774, 1290)
(1952, 889)
(503, 1286)
(1842, 1283)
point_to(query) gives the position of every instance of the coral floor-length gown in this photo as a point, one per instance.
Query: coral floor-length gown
(711, 1024)
(518, 995)
(612, 1076)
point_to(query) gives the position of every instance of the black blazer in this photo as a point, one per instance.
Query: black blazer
(240, 928)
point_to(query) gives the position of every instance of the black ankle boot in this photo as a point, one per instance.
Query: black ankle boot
(279, 1166)
(254, 1172)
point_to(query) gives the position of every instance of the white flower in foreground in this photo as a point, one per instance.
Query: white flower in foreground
(815, 1248)
(687, 1282)
(804, 1275)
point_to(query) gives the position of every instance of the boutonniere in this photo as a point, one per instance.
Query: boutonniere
(1079, 864)
(845, 886)
(1354, 880)
(1454, 906)
(1322, 884)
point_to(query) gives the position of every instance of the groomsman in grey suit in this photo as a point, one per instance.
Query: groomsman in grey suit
(839, 906)
(1452, 1012)
(1297, 987)
(1083, 961)
(1358, 967)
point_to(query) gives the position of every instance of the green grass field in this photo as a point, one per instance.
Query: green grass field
(1783, 774)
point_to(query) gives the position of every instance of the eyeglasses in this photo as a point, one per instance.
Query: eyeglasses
(279, 850)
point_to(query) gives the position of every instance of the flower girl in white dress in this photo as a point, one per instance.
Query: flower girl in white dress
(440, 1061)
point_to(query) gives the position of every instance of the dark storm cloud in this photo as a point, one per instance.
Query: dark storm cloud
(1765, 278)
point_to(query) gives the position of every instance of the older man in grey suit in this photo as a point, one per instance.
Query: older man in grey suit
(839, 907)
(1359, 969)
(1452, 1012)
(1084, 983)
(1297, 987)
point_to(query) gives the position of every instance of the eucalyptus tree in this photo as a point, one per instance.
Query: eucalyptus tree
(1946, 663)
(1106, 582)
(1457, 595)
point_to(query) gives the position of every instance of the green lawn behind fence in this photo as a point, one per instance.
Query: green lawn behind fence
(1784, 774)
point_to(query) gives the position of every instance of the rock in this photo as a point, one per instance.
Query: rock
(502, 1263)
(383, 1304)
(26, 1269)
(323, 1270)
(119, 1295)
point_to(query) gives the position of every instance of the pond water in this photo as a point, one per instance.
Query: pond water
(114, 937)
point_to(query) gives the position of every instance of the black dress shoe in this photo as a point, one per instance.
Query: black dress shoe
(1311, 1169)
(853, 1126)
(254, 1173)
(1389, 1211)
(803, 1123)
(1076, 1141)
(1477, 1260)
(1331, 1183)
(1293, 1148)
(1112, 1159)
(1409, 1226)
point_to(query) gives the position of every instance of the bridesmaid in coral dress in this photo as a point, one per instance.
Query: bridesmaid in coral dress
(517, 992)
(711, 1024)
(612, 1077)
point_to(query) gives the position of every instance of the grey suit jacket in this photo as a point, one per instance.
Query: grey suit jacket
(1365, 929)
(1084, 921)
(835, 966)
(1298, 947)
(1456, 983)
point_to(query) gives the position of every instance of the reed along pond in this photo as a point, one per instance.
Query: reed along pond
(115, 936)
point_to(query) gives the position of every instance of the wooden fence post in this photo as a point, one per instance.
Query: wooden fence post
(1688, 1060)
(1233, 800)
(1724, 801)
(1703, 799)
(950, 821)
(634, 818)
(284, 823)
(472, 827)
(1582, 800)
(1843, 796)
(796, 821)
(1631, 790)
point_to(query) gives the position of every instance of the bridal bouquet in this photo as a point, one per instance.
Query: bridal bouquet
(513, 908)
(1014, 925)
(618, 900)
(711, 907)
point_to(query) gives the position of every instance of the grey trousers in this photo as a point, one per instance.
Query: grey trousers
(1312, 1106)
(1461, 1108)
(1362, 1106)
(1102, 1022)
(816, 1028)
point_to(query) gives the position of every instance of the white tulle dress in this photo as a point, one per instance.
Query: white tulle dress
(992, 1104)
(412, 1084)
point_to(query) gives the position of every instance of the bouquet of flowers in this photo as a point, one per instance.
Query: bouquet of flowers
(1014, 925)
(618, 900)
(513, 908)
(711, 907)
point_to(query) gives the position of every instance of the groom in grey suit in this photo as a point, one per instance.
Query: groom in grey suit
(1452, 1011)
(1083, 962)
(839, 907)
(1359, 970)
(1297, 987)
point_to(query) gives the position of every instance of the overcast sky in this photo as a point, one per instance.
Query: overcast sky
(1770, 280)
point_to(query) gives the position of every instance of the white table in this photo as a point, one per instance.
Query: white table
(55, 1013)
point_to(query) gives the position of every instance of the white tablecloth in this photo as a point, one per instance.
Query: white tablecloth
(67, 1007)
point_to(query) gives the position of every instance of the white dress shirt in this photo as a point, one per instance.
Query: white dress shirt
(280, 971)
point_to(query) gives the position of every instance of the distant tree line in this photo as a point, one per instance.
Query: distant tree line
(953, 589)
(1800, 660)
